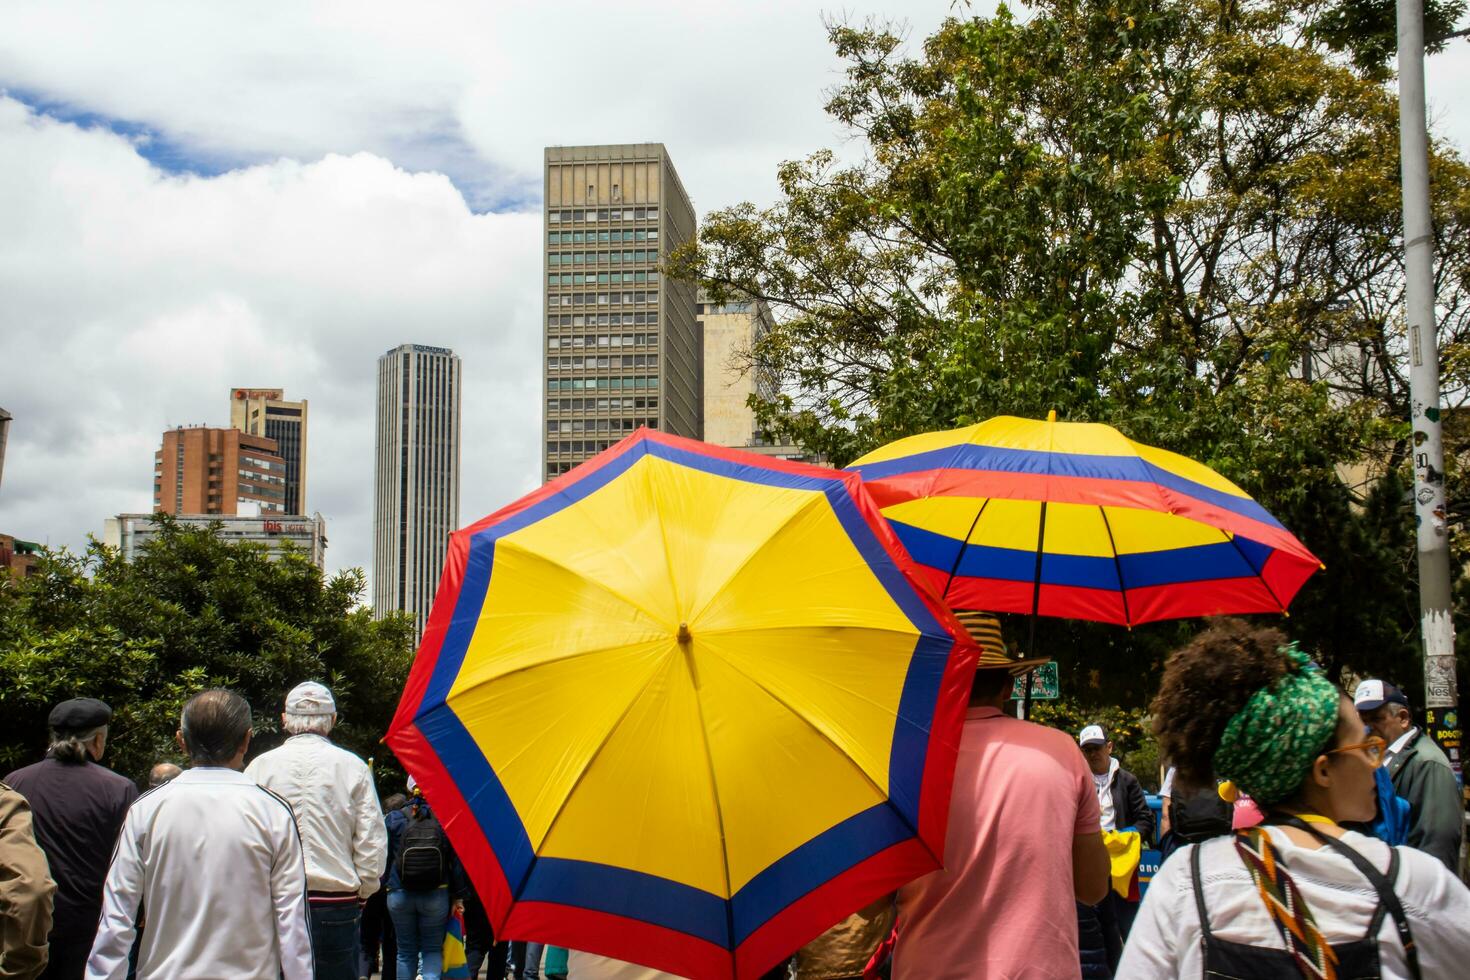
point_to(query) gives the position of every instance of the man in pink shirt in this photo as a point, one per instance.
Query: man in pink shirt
(1024, 842)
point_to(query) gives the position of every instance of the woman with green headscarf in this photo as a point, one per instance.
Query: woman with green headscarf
(1299, 895)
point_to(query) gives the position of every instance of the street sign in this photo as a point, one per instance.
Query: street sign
(1044, 684)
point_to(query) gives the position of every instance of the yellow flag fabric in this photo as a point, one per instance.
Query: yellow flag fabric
(1124, 849)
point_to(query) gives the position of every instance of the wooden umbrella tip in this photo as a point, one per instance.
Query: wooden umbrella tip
(684, 635)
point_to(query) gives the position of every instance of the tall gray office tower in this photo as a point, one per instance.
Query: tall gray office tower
(416, 501)
(622, 344)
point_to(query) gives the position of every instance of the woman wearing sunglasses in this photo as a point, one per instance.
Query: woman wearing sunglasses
(1298, 895)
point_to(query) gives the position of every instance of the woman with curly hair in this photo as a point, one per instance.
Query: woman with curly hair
(1299, 895)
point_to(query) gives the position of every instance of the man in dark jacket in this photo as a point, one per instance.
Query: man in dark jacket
(1124, 807)
(77, 808)
(1420, 772)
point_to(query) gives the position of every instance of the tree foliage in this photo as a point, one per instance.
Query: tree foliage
(1180, 217)
(1368, 29)
(191, 611)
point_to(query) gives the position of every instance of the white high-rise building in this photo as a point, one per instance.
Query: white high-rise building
(416, 504)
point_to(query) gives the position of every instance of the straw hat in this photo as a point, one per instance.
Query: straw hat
(984, 629)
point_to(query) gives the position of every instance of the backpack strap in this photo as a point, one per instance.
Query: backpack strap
(1286, 906)
(1199, 893)
(1387, 898)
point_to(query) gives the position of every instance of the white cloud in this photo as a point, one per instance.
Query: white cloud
(470, 88)
(135, 300)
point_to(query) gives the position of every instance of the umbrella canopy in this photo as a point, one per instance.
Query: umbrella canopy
(1075, 520)
(686, 707)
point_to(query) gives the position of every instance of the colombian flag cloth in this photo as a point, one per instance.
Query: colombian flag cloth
(1124, 849)
(456, 967)
(1074, 520)
(686, 707)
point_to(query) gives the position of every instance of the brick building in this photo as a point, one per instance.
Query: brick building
(203, 470)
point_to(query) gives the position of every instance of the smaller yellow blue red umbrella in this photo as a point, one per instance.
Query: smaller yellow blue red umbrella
(1075, 520)
(686, 707)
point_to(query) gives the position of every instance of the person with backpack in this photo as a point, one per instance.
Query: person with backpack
(425, 883)
(1298, 895)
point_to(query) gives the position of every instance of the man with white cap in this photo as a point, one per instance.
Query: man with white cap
(1420, 772)
(1122, 807)
(342, 833)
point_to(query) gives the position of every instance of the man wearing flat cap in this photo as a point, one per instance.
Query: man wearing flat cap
(77, 808)
(342, 830)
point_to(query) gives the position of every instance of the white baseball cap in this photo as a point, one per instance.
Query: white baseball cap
(1092, 735)
(1374, 694)
(310, 698)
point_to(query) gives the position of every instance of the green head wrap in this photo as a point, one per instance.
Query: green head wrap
(1268, 746)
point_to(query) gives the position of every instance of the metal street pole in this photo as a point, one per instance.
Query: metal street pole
(1436, 624)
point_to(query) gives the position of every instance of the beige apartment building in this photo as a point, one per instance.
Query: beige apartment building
(622, 344)
(730, 330)
(265, 412)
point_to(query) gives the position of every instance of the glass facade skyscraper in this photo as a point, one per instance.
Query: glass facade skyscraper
(416, 495)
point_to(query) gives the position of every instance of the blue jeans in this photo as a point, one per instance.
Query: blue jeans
(334, 941)
(419, 921)
(532, 969)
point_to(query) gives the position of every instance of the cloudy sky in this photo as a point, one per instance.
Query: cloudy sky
(200, 196)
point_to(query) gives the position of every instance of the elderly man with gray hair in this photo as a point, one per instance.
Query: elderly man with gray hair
(342, 831)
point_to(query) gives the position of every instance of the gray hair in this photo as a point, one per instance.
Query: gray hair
(214, 724)
(308, 724)
(72, 746)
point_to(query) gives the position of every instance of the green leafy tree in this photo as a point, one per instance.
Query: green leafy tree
(1368, 29)
(191, 611)
(1180, 218)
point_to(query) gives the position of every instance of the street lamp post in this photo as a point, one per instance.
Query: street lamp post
(1436, 624)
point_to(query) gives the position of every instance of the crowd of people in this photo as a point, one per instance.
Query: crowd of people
(1306, 833)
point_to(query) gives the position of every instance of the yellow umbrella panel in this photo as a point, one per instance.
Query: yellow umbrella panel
(686, 707)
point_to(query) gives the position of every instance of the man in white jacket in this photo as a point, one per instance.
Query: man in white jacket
(215, 859)
(342, 832)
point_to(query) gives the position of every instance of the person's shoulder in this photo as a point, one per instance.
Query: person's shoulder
(1053, 740)
(1424, 751)
(19, 777)
(111, 776)
(271, 801)
(344, 756)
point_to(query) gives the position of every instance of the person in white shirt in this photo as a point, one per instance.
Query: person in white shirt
(1281, 899)
(342, 832)
(215, 859)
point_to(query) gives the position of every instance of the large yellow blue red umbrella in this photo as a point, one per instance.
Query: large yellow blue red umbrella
(1075, 520)
(686, 707)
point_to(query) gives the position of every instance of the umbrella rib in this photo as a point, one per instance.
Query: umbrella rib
(824, 737)
(572, 790)
(661, 639)
(751, 557)
(1259, 577)
(1117, 566)
(657, 621)
(964, 543)
(714, 785)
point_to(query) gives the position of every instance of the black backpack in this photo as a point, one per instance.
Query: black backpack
(1200, 816)
(423, 854)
